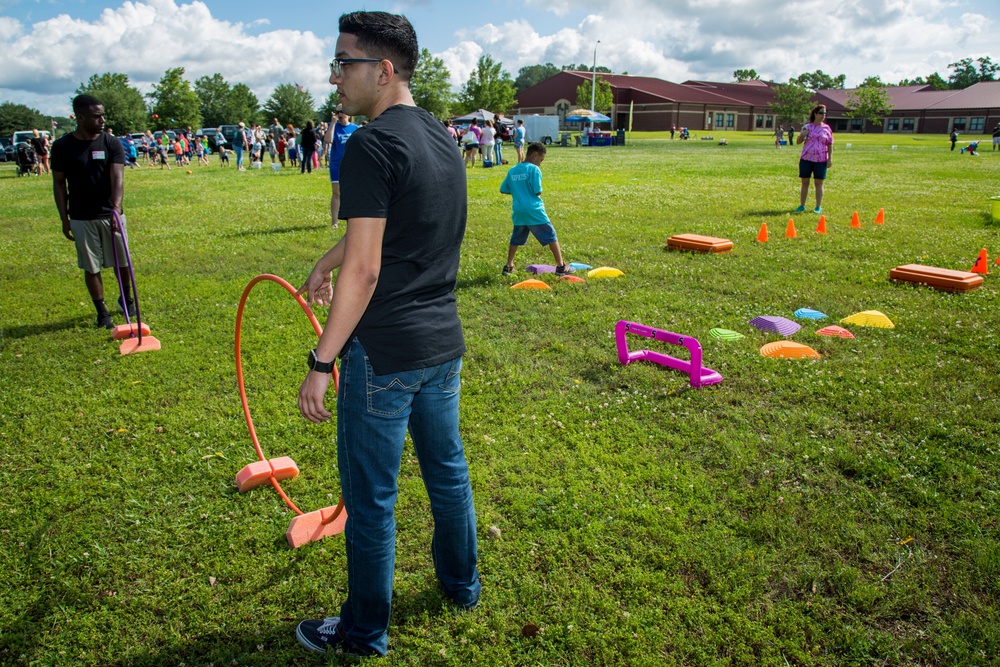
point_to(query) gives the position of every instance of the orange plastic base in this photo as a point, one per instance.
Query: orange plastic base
(314, 526)
(259, 472)
(149, 344)
(531, 283)
(123, 331)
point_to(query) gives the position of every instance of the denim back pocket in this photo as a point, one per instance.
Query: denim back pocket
(452, 378)
(391, 394)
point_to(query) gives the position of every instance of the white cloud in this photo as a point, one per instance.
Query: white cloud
(708, 39)
(140, 40)
(671, 39)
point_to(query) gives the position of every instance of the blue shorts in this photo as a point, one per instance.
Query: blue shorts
(335, 172)
(816, 170)
(546, 234)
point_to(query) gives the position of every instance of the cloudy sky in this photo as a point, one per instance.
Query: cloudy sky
(49, 47)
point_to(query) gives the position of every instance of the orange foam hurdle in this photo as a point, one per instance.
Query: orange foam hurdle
(942, 279)
(314, 526)
(123, 331)
(149, 344)
(259, 472)
(699, 243)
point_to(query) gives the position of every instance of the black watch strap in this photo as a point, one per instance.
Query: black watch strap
(319, 366)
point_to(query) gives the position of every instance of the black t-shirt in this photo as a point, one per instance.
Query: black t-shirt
(308, 140)
(87, 166)
(403, 167)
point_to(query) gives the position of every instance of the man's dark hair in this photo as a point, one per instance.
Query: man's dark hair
(384, 35)
(536, 147)
(83, 103)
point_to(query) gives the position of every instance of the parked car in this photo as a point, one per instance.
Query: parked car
(209, 132)
(7, 154)
(25, 136)
(229, 132)
(171, 138)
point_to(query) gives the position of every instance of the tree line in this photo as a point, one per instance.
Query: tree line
(869, 101)
(210, 101)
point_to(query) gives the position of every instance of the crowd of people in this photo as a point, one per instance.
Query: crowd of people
(306, 149)
(487, 140)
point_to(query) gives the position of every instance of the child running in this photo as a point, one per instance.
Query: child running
(524, 183)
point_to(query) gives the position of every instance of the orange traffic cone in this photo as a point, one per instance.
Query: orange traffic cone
(855, 221)
(762, 235)
(981, 263)
(880, 217)
(997, 263)
(821, 227)
(790, 230)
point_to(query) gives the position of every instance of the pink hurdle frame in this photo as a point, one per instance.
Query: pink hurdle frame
(698, 374)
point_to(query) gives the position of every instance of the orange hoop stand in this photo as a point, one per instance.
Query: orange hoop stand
(306, 526)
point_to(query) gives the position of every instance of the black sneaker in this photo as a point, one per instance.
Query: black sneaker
(564, 270)
(104, 321)
(130, 305)
(320, 635)
(507, 270)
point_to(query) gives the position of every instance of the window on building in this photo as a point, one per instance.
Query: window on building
(908, 125)
(856, 124)
(768, 122)
(718, 120)
(976, 124)
(892, 125)
(730, 120)
(758, 122)
(959, 124)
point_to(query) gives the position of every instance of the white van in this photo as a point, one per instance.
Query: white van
(25, 136)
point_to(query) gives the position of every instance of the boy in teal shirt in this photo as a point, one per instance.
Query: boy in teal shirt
(524, 183)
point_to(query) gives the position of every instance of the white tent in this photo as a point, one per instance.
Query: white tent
(481, 115)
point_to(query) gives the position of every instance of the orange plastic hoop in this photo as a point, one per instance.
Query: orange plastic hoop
(239, 376)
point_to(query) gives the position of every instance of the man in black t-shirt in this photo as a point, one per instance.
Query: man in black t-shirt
(88, 167)
(394, 323)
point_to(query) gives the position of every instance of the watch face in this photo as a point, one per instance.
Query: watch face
(312, 359)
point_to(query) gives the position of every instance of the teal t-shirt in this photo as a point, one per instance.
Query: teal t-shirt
(524, 183)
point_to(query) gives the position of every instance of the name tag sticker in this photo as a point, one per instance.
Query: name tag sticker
(97, 155)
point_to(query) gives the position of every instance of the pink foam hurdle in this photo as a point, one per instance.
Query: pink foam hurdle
(314, 526)
(698, 374)
(259, 472)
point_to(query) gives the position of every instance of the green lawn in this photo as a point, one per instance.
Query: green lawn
(842, 511)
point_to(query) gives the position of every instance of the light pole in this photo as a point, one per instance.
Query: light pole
(593, 80)
(593, 83)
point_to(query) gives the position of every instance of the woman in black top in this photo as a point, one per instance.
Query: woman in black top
(41, 145)
(307, 146)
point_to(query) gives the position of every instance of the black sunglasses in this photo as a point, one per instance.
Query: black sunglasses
(337, 64)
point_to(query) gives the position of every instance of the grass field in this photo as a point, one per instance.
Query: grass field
(842, 511)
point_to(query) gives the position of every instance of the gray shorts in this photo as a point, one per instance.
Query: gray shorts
(93, 245)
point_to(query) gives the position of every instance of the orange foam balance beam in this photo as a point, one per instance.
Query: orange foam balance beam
(123, 331)
(314, 526)
(259, 472)
(130, 345)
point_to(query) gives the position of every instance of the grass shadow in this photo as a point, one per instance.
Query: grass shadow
(26, 330)
(269, 232)
(762, 212)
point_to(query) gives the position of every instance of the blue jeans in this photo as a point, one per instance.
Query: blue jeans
(239, 155)
(498, 151)
(373, 414)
